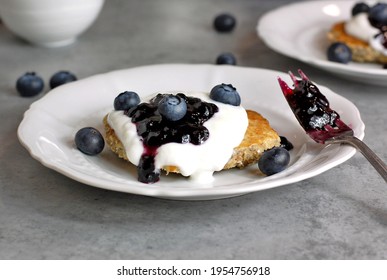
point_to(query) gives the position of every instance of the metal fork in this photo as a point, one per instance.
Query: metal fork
(349, 139)
(328, 130)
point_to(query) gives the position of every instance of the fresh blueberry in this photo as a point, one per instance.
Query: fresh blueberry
(89, 141)
(225, 93)
(126, 100)
(29, 84)
(285, 143)
(172, 107)
(360, 7)
(274, 160)
(224, 22)
(377, 15)
(226, 58)
(339, 52)
(60, 78)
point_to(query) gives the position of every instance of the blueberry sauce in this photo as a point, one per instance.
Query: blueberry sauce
(310, 106)
(155, 130)
(286, 144)
(312, 109)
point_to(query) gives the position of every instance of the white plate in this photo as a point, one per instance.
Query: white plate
(299, 31)
(49, 126)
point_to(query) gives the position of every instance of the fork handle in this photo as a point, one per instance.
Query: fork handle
(376, 161)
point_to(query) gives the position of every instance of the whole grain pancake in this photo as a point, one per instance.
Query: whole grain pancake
(361, 50)
(259, 136)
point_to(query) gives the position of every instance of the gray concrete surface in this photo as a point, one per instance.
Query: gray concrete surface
(340, 214)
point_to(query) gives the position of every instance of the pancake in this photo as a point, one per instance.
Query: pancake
(259, 136)
(361, 51)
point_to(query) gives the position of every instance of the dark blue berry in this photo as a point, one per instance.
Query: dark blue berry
(147, 173)
(60, 78)
(225, 93)
(226, 58)
(172, 107)
(89, 141)
(29, 84)
(224, 22)
(126, 100)
(274, 160)
(285, 143)
(360, 7)
(339, 52)
(377, 15)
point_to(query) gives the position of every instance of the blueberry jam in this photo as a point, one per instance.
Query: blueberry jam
(156, 130)
(285, 143)
(310, 106)
(312, 110)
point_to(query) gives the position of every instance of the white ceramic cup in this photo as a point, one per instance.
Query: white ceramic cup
(49, 23)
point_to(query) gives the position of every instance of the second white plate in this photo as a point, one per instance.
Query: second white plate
(299, 30)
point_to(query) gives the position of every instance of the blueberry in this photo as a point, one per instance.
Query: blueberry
(274, 160)
(225, 93)
(285, 143)
(339, 52)
(89, 141)
(224, 22)
(377, 15)
(126, 100)
(360, 7)
(60, 78)
(226, 58)
(146, 170)
(172, 107)
(29, 84)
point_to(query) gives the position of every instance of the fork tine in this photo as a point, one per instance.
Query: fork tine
(303, 76)
(330, 128)
(342, 125)
(293, 77)
(286, 90)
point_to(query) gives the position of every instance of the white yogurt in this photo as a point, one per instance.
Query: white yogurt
(226, 127)
(377, 44)
(359, 27)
